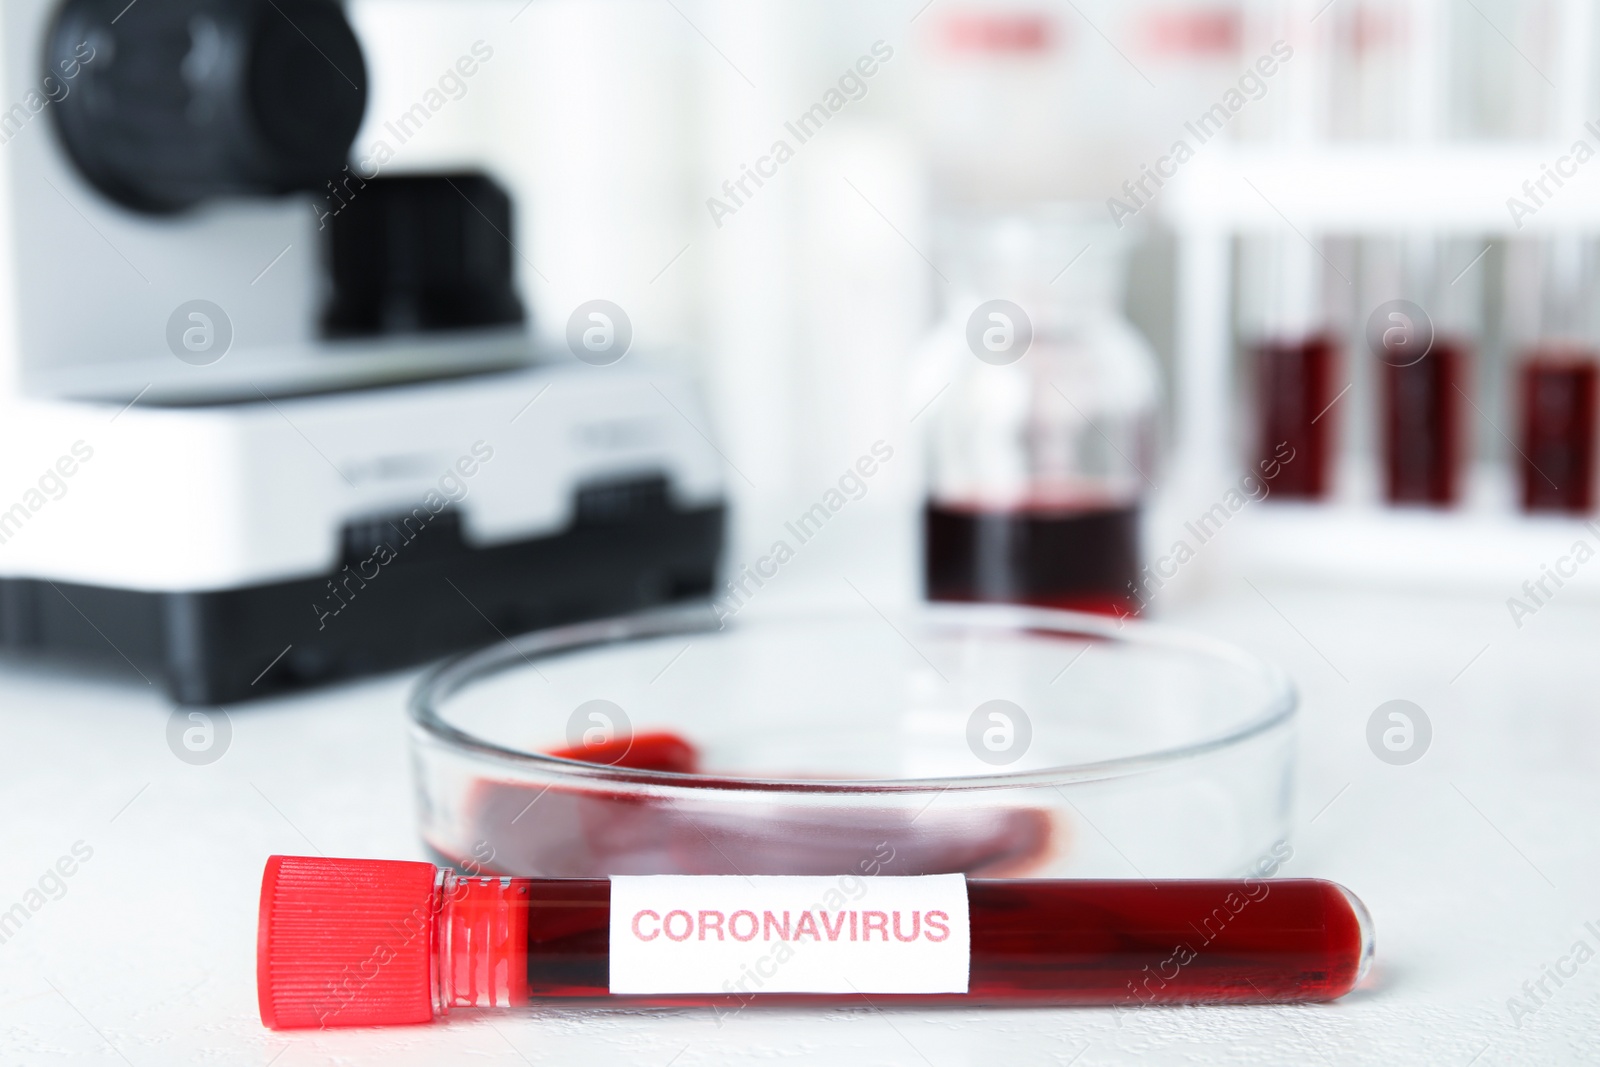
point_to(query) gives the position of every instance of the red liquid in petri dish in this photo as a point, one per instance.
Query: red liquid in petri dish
(656, 751)
(1558, 396)
(1294, 391)
(595, 831)
(1083, 559)
(1423, 426)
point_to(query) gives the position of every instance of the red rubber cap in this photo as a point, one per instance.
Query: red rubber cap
(345, 943)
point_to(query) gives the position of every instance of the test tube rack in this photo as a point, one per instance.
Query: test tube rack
(1318, 190)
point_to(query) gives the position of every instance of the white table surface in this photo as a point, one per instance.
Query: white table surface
(1480, 864)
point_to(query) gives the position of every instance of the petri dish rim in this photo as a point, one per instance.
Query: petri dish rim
(453, 675)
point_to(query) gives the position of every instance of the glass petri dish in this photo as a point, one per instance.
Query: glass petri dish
(995, 741)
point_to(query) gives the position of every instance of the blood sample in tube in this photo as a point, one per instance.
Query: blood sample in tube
(373, 942)
(1295, 393)
(1558, 398)
(1422, 426)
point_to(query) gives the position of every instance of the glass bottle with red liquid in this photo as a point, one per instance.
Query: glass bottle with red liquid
(1040, 450)
(1556, 386)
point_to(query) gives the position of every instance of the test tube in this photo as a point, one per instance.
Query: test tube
(1425, 351)
(1295, 390)
(374, 942)
(1557, 381)
(1557, 392)
(1500, 53)
(1422, 425)
(1294, 355)
(1367, 68)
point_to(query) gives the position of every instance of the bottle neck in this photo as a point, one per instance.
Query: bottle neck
(1063, 268)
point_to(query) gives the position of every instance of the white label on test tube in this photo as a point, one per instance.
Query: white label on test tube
(765, 934)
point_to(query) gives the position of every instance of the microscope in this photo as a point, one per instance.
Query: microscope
(272, 415)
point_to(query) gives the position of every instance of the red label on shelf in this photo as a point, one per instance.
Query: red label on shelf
(1202, 31)
(1000, 32)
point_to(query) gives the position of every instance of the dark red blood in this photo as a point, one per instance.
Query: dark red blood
(1558, 431)
(1083, 559)
(1423, 426)
(1050, 942)
(1295, 388)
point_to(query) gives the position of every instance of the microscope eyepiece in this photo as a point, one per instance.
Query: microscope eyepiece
(185, 101)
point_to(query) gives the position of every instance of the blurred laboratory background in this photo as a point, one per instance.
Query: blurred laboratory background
(1349, 233)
